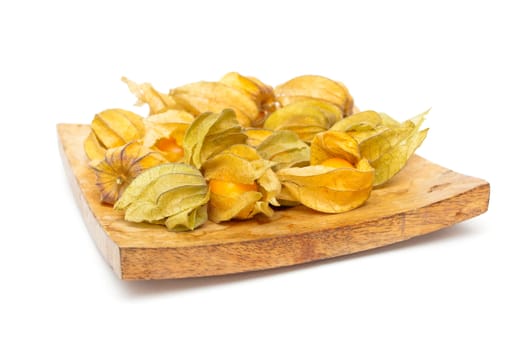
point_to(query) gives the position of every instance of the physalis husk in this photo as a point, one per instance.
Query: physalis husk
(209, 134)
(242, 184)
(215, 96)
(285, 149)
(316, 87)
(306, 118)
(386, 143)
(173, 194)
(112, 128)
(120, 166)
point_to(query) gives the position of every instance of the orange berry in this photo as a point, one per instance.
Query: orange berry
(337, 163)
(228, 188)
(171, 147)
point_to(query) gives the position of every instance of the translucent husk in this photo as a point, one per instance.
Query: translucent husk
(334, 144)
(158, 102)
(390, 149)
(215, 96)
(317, 87)
(285, 149)
(209, 134)
(120, 166)
(173, 194)
(385, 142)
(112, 128)
(259, 92)
(328, 190)
(255, 136)
(306, 118)
(241, 164)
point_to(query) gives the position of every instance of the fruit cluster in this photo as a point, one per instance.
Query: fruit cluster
(236, 148)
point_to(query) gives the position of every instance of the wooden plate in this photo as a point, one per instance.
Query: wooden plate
(422, 198)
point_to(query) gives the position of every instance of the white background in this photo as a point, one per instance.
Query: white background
(460, 288)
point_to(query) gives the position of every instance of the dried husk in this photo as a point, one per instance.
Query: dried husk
(171, 124)
(255, 136)
(120, 166)
(215, 96)
(259, 92)
(328, 190)
(93, 148)
(334, 144)
(285, 149)
(158, 102)
(317, 87)
(306, 118)
(241, 164)
(172, 194)
(385, 142)
(209, 134)
(112, 128)
(390, 150)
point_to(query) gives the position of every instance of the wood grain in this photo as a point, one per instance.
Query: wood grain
(422, 198)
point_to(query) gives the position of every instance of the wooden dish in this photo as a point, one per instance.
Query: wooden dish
(422, 198)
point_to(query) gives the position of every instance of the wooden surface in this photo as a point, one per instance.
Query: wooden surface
(422, 198)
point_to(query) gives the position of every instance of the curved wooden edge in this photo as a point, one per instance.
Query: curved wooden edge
(213, 260)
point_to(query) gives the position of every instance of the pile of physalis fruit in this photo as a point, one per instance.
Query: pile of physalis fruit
(235, 148)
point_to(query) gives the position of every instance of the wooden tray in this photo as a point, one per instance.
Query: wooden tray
(422, 198)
